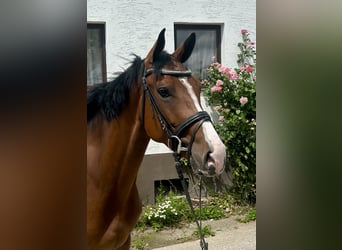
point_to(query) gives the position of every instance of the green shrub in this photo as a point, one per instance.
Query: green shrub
(139, 244)
(163, 214)
(210, 212)
(232, 92)
(249, 216)
(172, 210)
(167, 211)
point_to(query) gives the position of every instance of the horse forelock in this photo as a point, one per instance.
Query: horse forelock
(162, 59)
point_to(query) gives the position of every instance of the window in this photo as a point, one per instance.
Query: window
(207, 49)
(96, 53)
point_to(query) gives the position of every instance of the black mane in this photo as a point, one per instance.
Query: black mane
(109, 98)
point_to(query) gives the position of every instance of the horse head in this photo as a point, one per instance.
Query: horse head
(172, 111)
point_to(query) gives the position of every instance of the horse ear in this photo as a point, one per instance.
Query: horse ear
(157, 47)
(183, 52)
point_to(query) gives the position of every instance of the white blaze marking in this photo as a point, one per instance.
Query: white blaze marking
(211, 137)
(216, 146)
(191, 92)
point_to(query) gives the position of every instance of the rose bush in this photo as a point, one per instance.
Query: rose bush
(232, 92)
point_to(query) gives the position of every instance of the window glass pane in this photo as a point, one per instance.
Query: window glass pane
(205, 51)
(95, 55)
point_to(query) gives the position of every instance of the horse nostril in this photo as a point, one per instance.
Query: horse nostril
(210, 164)
(211, 169)
(209, 159)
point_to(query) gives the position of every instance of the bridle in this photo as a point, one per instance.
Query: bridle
(174, 133)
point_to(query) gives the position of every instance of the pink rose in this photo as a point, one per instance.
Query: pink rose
(249, 68)
(243, 100)
(242, 68)
(221, 118)
(227, 71)
(250, 44)
(243, 31)
(216, 88)
(219, 83)
(221, 69)
(233, 76)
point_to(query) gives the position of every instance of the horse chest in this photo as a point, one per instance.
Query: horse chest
(113, 225)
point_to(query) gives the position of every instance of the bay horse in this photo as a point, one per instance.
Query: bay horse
(158, 98)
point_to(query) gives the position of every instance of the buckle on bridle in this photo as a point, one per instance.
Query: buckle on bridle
(176, 144)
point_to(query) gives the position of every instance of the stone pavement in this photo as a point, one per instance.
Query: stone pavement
(231, 236)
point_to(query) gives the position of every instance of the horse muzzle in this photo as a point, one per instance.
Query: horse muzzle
(211, 167)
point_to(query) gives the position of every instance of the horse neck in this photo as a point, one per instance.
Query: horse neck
(122, 145)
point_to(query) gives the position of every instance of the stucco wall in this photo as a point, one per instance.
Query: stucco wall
(132, 26)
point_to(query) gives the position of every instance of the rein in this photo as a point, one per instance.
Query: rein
(174, 133)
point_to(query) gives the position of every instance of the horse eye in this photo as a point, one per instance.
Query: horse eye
(164, 92)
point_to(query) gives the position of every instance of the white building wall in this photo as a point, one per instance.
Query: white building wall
(132, 26)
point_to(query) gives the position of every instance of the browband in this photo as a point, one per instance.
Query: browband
(169, 72)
